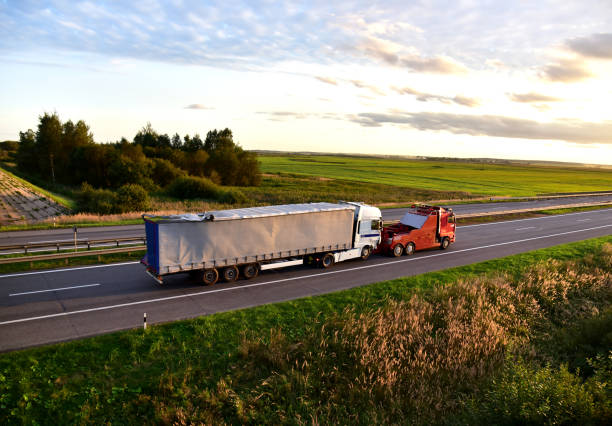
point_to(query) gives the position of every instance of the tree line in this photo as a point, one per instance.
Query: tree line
(66, 153)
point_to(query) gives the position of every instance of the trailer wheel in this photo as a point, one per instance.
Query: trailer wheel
(445, 243)
(230, 274)
(409, 250)
(366, 252)
(327, 260)
(210, 276)
(250, 271)
(398, 250)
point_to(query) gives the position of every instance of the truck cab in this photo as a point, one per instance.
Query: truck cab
(367, 228)
(422, 227)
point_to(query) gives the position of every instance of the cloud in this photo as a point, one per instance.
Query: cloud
(574, 131)
(327, 80)
(594, 46)
(393, 54)
(532, 97)
(362, 85)
(426, 97)
(566, 71)
(198, 106)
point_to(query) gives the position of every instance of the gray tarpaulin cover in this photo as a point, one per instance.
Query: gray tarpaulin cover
(414, 220)
(237, 236)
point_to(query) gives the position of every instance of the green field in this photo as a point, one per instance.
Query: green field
(449, 176)
(292, 362)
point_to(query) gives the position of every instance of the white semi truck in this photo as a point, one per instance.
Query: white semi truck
(229, 244)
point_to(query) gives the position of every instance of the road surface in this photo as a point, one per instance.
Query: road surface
(50, 306)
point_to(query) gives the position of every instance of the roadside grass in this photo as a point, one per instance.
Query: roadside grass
(292, 362)
(61, 199)
(474, 178)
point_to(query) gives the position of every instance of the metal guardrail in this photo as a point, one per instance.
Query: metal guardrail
(70, 243)
(67, 256)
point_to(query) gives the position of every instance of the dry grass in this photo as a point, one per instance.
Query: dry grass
(411, 359)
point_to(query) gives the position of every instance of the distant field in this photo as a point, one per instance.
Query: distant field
(447, 176)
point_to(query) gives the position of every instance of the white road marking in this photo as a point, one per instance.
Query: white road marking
(582, 220)
(531, 218)
(221, 290)
(522, 229)
(54, 289)
(22, 274)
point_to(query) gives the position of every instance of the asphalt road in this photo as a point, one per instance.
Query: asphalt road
(104, 232)
(50, 306)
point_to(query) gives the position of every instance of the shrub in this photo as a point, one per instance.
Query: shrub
(232, 196)
(131, 197)
(525, 394)
(193, 187)
(92, 200)
(164, 172)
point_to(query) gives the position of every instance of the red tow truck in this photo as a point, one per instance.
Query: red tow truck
(423, 227)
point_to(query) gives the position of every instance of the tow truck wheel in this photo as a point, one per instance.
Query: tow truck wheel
(398, 250)
(210, 276)
(366, 252)
(445, 243)
(327, 260)
(230, 274)
(250, 271)
(409, 250)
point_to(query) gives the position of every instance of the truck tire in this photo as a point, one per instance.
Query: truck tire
(409, 250)
(445, 243)
(250, 271)
(398, 250)
(210, 276)
(366, 252)
(230, 274)
(327, 260)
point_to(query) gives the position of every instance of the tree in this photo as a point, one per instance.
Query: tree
(177, 143)
(147, 136)
(193, 144)
(26, 153)
(49, 143)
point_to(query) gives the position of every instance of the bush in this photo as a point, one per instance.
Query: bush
(193, 187)
(525, 394)
(232, 196)
(102, 201)
(131, 197)
(164, 172)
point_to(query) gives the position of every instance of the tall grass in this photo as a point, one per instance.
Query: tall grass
(416, 361)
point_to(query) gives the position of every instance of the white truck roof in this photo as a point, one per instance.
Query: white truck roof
(253, 212)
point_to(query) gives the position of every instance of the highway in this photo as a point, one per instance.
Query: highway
(44, 307)
(104, 232)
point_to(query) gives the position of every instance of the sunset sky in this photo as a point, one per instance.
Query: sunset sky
(502, 79)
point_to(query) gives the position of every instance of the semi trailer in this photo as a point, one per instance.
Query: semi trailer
(235, 243)
(422, 227)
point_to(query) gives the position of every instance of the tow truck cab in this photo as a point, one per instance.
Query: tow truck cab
(422, 227)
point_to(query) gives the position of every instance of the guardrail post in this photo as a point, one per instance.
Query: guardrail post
(58, 246)
(88, 245)
(25, 249)
(117, 241)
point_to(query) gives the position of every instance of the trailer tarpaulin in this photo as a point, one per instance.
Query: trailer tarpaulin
(244, 235)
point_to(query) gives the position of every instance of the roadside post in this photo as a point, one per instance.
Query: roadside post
(74, 228)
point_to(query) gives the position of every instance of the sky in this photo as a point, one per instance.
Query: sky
(467, 78)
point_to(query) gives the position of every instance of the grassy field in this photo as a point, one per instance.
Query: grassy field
(500, 341)
(448, 176)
